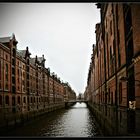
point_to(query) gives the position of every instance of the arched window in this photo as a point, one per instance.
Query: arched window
(7, 100)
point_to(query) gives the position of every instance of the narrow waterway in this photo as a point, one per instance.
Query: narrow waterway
(77, 121)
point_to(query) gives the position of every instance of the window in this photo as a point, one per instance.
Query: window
(131, 84)
(28, 100)
(24, 100)
(111, 61)
(120, 117)
(24, 75)
(119, 55)
(128, 19)
(18, 100)
(13, 104)
(31, 99)
(130, 51)
(13, 101)
(13, 80)
(0, 100)
(6, 57)
(13, 71)
(27, 68)
(13, 62)
(0, 69)
(103, 98)
(0, 74)
(13, 89)
(27, 76)
(7, 100)
(111, 27)
(14, 52)
(110, 54)
(6, 86)
(6, 72)
(18, 75)
(109, 96)
(23, 82)
(120, 92)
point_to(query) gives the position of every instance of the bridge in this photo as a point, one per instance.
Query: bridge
(75, 101)
(72, 102)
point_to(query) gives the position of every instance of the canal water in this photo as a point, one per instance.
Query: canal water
(76, 121)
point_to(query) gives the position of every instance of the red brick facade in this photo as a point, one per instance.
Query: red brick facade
(25, 84)
(116, 55)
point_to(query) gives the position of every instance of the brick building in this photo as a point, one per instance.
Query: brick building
(27, 88)
(114, 72)
(69, 93)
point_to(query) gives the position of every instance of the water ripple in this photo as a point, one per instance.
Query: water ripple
(77, 121)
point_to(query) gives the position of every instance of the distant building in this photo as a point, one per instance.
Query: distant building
(69, 93)
(80, 96)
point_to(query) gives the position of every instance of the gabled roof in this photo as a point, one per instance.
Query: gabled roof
(4, 46)
(21, 53)
(40, 59)
(32, 60)
(8, 39)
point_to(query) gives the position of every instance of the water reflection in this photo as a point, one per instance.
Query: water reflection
(76, 121)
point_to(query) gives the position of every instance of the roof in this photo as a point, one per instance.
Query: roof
(21, 53)
(40, 59)
(5, 39)
(4, 46)
(32, 60)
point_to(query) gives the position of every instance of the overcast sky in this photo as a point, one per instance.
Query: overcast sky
(63, 32)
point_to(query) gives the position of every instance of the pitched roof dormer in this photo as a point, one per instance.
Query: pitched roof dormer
(41, 61)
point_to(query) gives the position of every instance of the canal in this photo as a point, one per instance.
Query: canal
(76, 121)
